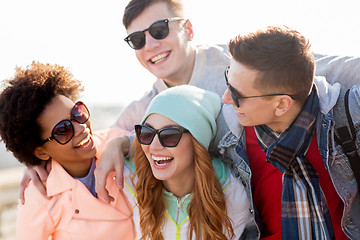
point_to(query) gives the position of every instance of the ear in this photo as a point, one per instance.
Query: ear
(41, 153)
(284, 104)
(189, 29)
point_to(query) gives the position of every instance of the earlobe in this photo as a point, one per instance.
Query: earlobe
(41, 153)
(284, 105)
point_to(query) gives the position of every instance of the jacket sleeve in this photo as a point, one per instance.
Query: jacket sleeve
(354, 106)
(341, 69)
(33, 219)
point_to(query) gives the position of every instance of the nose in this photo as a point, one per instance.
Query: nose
(79, 127)
(226, 98)
(155, 144)
(150, 42)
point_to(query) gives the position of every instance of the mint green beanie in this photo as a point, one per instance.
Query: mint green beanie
(191, 107)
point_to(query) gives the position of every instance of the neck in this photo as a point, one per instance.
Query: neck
(79, 170)
(180, 187)
(280, 124)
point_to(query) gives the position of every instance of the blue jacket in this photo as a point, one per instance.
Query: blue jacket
(231, 143)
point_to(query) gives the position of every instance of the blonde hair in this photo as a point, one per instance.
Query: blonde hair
(207, 209)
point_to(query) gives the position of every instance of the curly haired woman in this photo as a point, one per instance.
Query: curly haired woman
(39, 122)
(177, 189)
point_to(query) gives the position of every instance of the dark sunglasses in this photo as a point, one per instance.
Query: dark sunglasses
(63, 132)
(237, 98)
(158, 30)
(168, 137)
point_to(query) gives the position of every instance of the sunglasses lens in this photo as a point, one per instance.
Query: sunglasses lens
(63, 132)
(234, 97)
(144, 134)
(80, 113)
(137, 40)
(159, 30)
(170, 137)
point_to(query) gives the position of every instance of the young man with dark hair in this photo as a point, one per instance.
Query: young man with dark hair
(282, 144)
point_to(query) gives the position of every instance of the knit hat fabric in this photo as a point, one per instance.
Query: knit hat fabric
(191, 107)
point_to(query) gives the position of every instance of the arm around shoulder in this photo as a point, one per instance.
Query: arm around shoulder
(112, 159)
(33, 218)
(341, 69)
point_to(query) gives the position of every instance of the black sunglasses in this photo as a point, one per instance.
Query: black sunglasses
(63, 131)
(236, 96)
(168, 137)
(158, 30)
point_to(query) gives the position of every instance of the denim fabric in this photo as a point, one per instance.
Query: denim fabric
(232, 146)
(338, 165)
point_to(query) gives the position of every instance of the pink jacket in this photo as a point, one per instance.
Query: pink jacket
(73, 212)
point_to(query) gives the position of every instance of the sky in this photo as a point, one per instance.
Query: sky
(86, 36)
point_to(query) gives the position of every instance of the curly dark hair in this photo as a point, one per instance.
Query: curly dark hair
(23, 99)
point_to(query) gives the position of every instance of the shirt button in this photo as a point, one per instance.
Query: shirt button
(251, 211)
(77, 211)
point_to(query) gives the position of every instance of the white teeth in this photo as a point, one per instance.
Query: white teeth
(84, 143)
(162, 161)
(159, 57)
(161, 158)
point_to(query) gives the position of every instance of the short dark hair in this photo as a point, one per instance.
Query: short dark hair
(23, 99)
(136, 7)
(283, 57)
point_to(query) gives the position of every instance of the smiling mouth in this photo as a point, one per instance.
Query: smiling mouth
(84, 143)
(159, 58)
(240, 113)
(162, 161)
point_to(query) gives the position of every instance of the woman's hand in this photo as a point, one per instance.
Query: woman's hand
(37, 174)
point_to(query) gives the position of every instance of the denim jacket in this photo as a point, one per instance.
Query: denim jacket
(232, 145)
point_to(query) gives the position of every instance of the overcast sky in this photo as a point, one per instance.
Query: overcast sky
(86, 36)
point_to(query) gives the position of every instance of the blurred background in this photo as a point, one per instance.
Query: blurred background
(86, 36)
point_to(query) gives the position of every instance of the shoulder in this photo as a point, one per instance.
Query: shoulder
(342, 69)
(214, 48)
(213, 54)
(34, 197)
(35, 218)
(36, 205)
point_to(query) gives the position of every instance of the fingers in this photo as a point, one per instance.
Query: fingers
(38, 175)
(119, 171)
(108, 162)
(100, 182)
